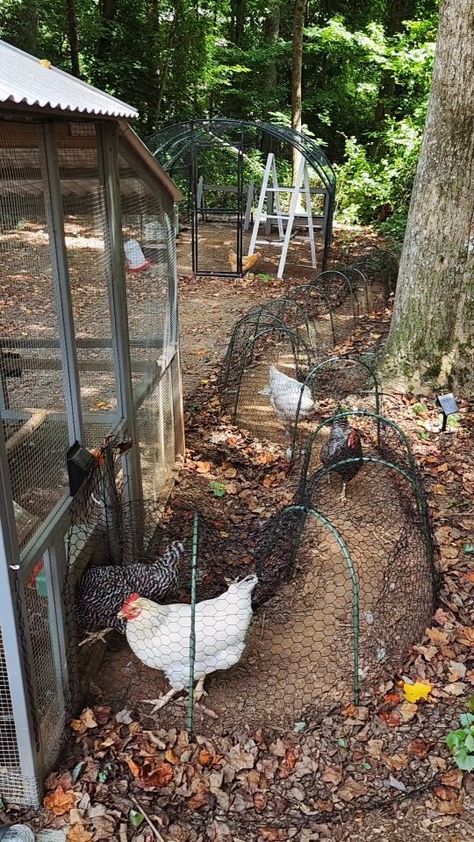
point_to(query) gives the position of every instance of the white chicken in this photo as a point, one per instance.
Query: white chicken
(159, 635)
(290, 399)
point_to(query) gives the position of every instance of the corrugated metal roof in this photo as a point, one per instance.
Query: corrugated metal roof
(25, 80)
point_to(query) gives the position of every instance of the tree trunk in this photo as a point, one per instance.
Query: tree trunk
(108, 10)
(398, 12)
(432, 333)
(72, 36)
(271, 31)
(296, 73)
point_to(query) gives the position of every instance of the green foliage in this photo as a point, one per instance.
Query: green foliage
(461, 742)
(366, 77)
(218, 488)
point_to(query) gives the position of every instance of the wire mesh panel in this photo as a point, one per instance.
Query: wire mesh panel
(32, 395)
(151, 287)
(88, 259)
(273, 362)
(335, 384)
(49, 711)
(10, 770)
(392, 555)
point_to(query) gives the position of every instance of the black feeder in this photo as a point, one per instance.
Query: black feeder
(79, 464)
(448, 406)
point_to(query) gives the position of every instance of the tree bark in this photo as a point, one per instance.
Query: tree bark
(432, 332)
(72, 36)
(271, 31)
(296, 73)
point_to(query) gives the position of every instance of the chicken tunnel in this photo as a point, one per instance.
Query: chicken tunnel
(88, 355)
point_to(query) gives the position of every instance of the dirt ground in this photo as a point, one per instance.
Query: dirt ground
(288, 661)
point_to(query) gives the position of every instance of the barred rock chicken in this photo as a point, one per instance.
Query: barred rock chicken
(344, 443)
(101, 591)
(159, 635)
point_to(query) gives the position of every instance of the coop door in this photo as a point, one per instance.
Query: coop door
(219, 207)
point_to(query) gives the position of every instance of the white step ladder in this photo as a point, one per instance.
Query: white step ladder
(269, 186)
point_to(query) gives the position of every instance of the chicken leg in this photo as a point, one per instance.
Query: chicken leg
(199, 692)
(94, 637)
(163, 700)
(343, 492)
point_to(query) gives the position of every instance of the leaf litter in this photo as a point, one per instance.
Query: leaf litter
(267, 786)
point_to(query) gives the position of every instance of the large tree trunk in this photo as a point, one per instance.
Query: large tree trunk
(432, 333)
(72, 36)
(296, 73)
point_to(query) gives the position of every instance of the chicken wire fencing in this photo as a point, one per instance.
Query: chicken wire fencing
(87, 349)
(304, 610)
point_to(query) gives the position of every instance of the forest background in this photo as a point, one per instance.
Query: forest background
(365, 72)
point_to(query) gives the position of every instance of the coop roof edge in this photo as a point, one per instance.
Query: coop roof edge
(24, 80)
(132, 139)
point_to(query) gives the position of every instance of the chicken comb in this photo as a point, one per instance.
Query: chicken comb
(131, 599)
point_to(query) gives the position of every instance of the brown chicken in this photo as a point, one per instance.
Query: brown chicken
(248, 263)
(344, 443)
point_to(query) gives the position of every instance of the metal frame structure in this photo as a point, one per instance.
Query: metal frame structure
(34, 737)
(177, 148)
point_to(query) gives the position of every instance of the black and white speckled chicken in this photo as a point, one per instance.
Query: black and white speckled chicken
(344, 443)
(102, 590)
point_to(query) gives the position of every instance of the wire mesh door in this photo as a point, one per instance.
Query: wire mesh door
(214, 201)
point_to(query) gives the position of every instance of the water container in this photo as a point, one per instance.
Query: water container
(135, 258)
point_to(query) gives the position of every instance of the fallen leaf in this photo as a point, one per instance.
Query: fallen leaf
(207, 758)
(453, 778)
(456, 671)
(374, 748)
(466, 635)
(259, 801)
(390, 717)
(155, 775)
(395, 784)
(415, 692)
(397, 761)
(449, 808)
(86, 720)
(446, 793)
(408, 710)
(455, 689)
(332, 775)
(418, 748)
(59, 801)
(351, 789)
(203, 467)
(134, 768)
(289, 761)
(78, 833)
(437, 636)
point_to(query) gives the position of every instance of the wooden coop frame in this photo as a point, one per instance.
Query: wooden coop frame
(58, 108)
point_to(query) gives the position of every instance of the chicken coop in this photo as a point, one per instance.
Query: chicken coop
(88, 351)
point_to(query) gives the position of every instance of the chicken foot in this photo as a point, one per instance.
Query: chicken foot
(343, 492)
(160, 703)
(94, 637)
(162, 700)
